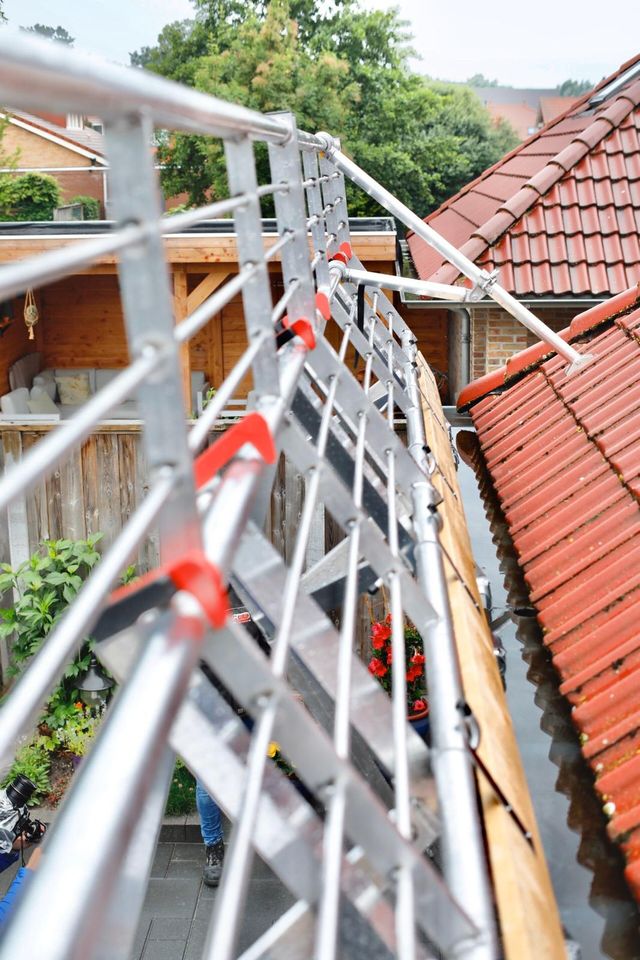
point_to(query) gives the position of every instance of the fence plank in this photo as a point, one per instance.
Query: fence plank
(72, 498)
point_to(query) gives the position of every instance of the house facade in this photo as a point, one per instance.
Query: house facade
(558, 218)
(67, 148)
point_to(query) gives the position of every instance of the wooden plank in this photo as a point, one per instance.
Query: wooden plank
(37, 506)
(216, 276)
(215, 366)
(72, 498)
(108, 488)
(91, 480)
(149, 551)
(180, 313)
(528, 915)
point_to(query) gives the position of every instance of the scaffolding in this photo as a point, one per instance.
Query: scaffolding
(357, 859)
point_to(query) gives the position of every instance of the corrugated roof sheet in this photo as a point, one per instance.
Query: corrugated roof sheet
(564, 455)
(560, 214)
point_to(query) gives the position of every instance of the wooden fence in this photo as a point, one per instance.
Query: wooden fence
(100, 485)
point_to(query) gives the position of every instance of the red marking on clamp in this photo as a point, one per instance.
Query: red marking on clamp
(253, 429)
(202, 579)
(322, 305)
(191, 572)
(303, 329)
(342, 257)
(346, 249)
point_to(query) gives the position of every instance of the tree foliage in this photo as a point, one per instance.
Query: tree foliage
(339, 68)
(32, 196)
(59, 34)
(479, 80)
(574, 88)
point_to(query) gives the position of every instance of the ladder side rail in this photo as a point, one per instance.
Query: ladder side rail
(318, 227)
(66, 925)
(149, 324)
(465, 864)
(222, 941)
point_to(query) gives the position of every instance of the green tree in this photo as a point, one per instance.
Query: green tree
(59, 34)
(479, 80)
(32, 196)
(574, 88)
(340, 68)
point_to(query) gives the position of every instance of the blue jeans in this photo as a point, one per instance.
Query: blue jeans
(209, 812)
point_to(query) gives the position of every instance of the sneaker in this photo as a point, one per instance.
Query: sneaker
(213, 864)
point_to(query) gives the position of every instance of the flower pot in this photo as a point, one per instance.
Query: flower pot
(420, 723)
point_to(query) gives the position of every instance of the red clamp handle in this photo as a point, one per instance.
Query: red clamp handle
(322, 305)
(344, 253)
(303, 329)
(191, 572)
(253, 429)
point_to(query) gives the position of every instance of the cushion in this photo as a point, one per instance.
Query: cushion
(103, 377)
(73, 372)
(16, 402)
(73, 389)
(48, 384)
(22, 372)
(41, 402)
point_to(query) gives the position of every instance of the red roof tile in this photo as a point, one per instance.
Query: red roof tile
(564, 455)
(580, 174)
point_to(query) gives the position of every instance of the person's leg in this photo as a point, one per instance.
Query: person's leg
(211, 829)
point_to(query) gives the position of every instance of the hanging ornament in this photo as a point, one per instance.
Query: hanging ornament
(31, 315)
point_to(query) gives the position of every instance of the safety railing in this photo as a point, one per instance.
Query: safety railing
(354, 859)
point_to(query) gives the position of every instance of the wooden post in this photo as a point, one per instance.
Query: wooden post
(215, 358)
(180, 311)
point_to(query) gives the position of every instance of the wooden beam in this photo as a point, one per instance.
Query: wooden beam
(214, 279)
(181, 311)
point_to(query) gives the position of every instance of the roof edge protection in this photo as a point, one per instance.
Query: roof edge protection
(526, 360)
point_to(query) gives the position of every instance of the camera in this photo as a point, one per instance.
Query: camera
(14, 816)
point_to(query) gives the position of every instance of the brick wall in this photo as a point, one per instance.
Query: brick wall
(496, 335)
(37, 151)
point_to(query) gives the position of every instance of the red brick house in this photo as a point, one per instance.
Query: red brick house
(67, 148)
(558, 217)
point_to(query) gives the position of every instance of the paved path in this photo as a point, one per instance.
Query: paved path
(178, 906)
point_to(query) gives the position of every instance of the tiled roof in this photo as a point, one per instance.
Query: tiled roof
(522, 117)
(560, 214)
(564, 456)
(87, 138)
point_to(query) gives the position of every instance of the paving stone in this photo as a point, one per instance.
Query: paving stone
(197, 939)
(140, 938)
(169, 928)
(164, 950)
(185, 868)
(188, 851)
(171, 897)
(161, 859)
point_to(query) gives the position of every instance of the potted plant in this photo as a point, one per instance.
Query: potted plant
(381, 666)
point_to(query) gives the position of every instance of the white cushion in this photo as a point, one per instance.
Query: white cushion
(16, 402)
(69, 372)
(103, 377)
(73, 389)
(41, 402)
(48, 384)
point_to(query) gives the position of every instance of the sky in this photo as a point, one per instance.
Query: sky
(538, 43)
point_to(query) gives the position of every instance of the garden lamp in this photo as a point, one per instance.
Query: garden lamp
(94, 685)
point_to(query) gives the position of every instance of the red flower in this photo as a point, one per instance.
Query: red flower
(413, 673)
(387, 619)
(417, 658)
(379, 634)
(419, 705)
(389, 655)
(377, 667)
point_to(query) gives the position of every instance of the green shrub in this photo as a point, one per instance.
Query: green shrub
(90, 206)
(32, 760)
(182, 792)
(31, 196)
(46, 584)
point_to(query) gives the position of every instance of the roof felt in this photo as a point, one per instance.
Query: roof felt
(563, 452)
(560, 214)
